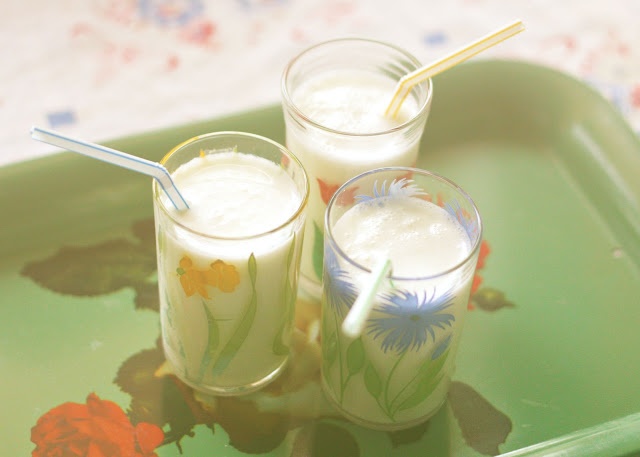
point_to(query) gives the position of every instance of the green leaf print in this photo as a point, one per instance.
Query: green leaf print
(330, 349)
(212, 343)
(279, 347)
(355, 356)
(169, 342)
(423, 384)
(318, 250)
(241, 332)
(372, 381)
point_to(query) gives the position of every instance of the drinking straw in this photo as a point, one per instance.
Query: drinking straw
(353, 324)
(406, 83)
(122, 159)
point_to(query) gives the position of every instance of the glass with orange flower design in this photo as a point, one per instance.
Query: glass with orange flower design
(334, 97)
(228, 266)
(397, 371)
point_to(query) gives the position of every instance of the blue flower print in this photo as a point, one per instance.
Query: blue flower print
(463, 217)
(400, 188)
(340, 292)
(408, 320)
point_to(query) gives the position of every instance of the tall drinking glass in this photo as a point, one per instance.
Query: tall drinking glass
(334, 99)
(397, 371)
(228, 266)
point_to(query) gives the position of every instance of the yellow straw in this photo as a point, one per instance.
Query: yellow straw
(407, 82)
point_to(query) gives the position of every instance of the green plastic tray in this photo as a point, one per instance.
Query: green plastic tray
(550, 357)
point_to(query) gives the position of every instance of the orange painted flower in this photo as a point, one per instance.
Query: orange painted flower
(221, 275)
(192, 280)
(224, 276)
(97, 428)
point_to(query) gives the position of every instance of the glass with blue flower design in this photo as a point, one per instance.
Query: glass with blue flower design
(397, 372)
(228, 266)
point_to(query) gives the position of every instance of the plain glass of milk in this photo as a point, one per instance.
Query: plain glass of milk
(396, 372)
(334, 97)
(228, 266)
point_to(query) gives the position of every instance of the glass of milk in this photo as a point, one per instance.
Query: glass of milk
(228, 266)
(334, 97)
(396, 373)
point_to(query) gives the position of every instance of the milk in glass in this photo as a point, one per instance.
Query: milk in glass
(352, 103)
(227, 295)
(397, 372)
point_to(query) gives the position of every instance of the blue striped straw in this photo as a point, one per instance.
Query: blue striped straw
(122, 159)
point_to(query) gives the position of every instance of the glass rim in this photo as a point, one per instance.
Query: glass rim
(474, 248)
(157, 192)
(288, 99)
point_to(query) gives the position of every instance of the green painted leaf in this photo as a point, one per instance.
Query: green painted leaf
(483, 426)
(147, 296)
(355, 356)
(372, 381)
(212, 343)
(330, 349)
(420, 394)
(318, 250)
(278, 347)
(136, 377)
(103, 268)
(289, 292)
(424, 383)
(241, 332)
(94, 270)
(491, 300)
(253, 270)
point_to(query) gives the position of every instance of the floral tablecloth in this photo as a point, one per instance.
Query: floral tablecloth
(102, 69)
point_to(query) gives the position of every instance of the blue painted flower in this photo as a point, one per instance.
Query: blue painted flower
(340, 292)
(408, 320)
(463, 217)
(400, 188)
(438, 351)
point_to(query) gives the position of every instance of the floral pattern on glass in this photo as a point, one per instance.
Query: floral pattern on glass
(405, 321)
(219, 274)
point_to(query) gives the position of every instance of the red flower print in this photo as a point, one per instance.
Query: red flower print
(485, 250)
(484, 253)
(327, 190)
(348, 196)
(97, 428)
(635, 96)
(477, 280)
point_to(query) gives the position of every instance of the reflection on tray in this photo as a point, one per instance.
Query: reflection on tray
(256, 423)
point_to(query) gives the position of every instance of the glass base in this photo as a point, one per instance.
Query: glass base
(231, 391)
(384, 427)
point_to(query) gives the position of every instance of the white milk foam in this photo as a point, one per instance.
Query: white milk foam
(351, 101)
(231, 194)
(419, 237)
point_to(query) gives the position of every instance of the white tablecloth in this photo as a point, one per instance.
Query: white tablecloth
(101, 69)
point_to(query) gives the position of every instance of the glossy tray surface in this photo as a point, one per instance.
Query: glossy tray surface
(551, 339)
